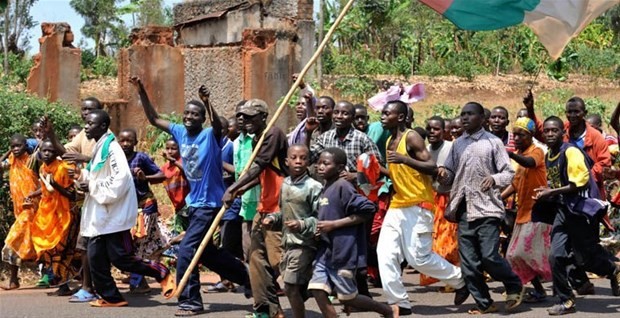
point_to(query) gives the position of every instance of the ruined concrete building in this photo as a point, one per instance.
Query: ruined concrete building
(240, 49)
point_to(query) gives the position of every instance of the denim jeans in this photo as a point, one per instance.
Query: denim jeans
(218, 260)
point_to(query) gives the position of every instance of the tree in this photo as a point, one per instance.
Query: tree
(16, 21)
(101, 21)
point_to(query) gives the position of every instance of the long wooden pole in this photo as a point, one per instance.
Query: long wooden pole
(271, 123)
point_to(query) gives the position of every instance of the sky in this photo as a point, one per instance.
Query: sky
(61, 11)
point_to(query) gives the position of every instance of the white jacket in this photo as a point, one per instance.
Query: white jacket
(111, 205)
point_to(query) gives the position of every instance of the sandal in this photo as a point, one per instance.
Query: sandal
(44, 282)
(104, 303)
(534, 297)
(82, 296)
(168, 286)
(514, 300)
(478, 311)
(187, 313)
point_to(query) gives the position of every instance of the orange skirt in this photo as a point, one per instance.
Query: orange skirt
(445, 241)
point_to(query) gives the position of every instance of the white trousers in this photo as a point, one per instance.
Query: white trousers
(406, 234)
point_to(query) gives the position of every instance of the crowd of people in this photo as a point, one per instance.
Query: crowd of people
(334, 206)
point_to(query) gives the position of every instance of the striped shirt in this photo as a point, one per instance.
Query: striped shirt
(354, 144)
(471, 159)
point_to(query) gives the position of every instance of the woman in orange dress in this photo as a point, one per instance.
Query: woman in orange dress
(54, 228)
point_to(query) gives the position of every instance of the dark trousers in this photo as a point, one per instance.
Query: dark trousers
(479, 252)
(215, 259)
(577, 234)
(117, 249)
(230, 233)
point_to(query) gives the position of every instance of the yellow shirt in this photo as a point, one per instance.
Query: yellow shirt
(410, 186)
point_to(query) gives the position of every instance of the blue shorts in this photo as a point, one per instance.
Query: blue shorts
(328, 279)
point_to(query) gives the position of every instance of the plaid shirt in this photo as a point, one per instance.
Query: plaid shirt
(471, 159)
(354, 144)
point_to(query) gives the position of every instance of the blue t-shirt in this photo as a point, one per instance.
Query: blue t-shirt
(32, 144)
(344, 248)
(202, 162)
(227, 150)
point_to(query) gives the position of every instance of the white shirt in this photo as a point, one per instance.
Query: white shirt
(111, 205)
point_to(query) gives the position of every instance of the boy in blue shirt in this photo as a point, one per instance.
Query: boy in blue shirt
(342, 239)
(202, 162)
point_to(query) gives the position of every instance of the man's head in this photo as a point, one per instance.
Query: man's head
(331, 162)
(499, 120)
(324, 109)
(394, 114)
(254, 115)
(74, 130)
(37, 130)
(172, 148)
(435, 129)
(89, 104)
(225, 125)
(238, 117)
(97, 124)
(487, 117)
(456, 129)
(300, 110)
(553, 130)
(447, 130)
(472, 117)
(410, 117)
(194, 115)
(128, 139)
(522, 113)
(233, 128)
(595, 121)
(18, 145)
(297, 159)
(361, 118)
(48, 151)
(576, 111)
(522, 131)
(343, 115)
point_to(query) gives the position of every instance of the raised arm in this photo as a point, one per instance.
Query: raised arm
(614, 122)
(528, 102)
(216, 124)
(149, 110)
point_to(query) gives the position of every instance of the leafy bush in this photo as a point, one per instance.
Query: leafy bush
(355, 87)
(19, 69)
(445, 110)
(20, 110)
(157, 138)
(98, 67)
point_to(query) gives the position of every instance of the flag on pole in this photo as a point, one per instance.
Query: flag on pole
(555, 22)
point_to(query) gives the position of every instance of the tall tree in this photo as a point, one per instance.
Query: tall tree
(101, 21)
(15, 23)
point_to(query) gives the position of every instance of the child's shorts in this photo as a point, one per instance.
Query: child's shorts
(296, 265)
(341, 280)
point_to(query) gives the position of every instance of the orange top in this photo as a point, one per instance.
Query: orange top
(411, 187)
(528, 179)
(270, 184)
(53, 218)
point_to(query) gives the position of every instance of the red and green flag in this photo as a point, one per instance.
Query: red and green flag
(555, 22)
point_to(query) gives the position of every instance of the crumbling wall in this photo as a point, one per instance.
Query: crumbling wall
(220, 70)
(55, 74)
(153, 58)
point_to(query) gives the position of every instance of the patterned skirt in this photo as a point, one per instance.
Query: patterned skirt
(445, 242)
(149, 234)
(528, 251)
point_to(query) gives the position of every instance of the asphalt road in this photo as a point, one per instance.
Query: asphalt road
(32, 303)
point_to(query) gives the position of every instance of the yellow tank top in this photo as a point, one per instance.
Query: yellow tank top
(411, 187)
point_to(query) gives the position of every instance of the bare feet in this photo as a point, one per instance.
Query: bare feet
(10, 286)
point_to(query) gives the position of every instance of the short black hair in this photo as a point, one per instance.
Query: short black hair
(576, 100)
(18, 138)
(596, 117)
(130, 130)
(359, 106)
(486, 112)
(502, 108)
(421, 131)
(441, 121)
(105, 117)
(340, 157)
(75, 127)
(173, 140)
(401, 107)
(203, 108)
(332, 103)
(556, 119)
(302, 146)
(93, 100)
(479, 108)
